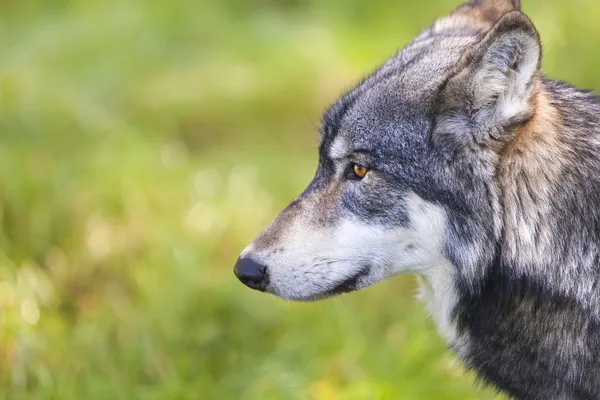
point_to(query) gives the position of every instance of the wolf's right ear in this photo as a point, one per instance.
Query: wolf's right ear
(494, 86)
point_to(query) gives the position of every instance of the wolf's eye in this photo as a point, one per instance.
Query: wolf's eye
(356, 172)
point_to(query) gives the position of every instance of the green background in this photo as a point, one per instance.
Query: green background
(144, 143)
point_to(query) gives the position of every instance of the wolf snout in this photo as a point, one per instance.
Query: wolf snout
(251, 273)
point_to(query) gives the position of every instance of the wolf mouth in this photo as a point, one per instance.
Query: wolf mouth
(348, 285)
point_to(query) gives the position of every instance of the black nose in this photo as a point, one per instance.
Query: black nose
(251, 273)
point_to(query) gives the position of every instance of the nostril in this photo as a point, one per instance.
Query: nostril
(251, 273)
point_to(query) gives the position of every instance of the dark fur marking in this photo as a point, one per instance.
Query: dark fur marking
(491, 316)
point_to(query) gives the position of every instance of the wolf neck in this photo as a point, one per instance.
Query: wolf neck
(536, 312)
(549, 177)
(530, 167)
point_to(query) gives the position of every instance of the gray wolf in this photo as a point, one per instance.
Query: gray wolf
(459, 161)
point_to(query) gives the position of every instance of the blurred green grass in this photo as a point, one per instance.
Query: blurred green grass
(143, 144)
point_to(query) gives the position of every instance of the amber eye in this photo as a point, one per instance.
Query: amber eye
(358, 172)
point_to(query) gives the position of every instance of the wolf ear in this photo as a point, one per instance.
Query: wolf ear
(476, 15)
(494, 85)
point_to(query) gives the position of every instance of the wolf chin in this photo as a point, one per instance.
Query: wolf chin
(459, 161)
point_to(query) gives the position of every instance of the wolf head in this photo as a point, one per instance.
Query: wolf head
(406, 179)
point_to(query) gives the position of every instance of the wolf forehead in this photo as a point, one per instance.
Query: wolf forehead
(397, 98)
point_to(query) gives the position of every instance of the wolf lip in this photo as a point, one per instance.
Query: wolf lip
(349, 284)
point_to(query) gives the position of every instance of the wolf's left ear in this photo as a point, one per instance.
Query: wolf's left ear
(494, 84)
(477, 16)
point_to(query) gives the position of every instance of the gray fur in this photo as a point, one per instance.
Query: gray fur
(463, 119)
